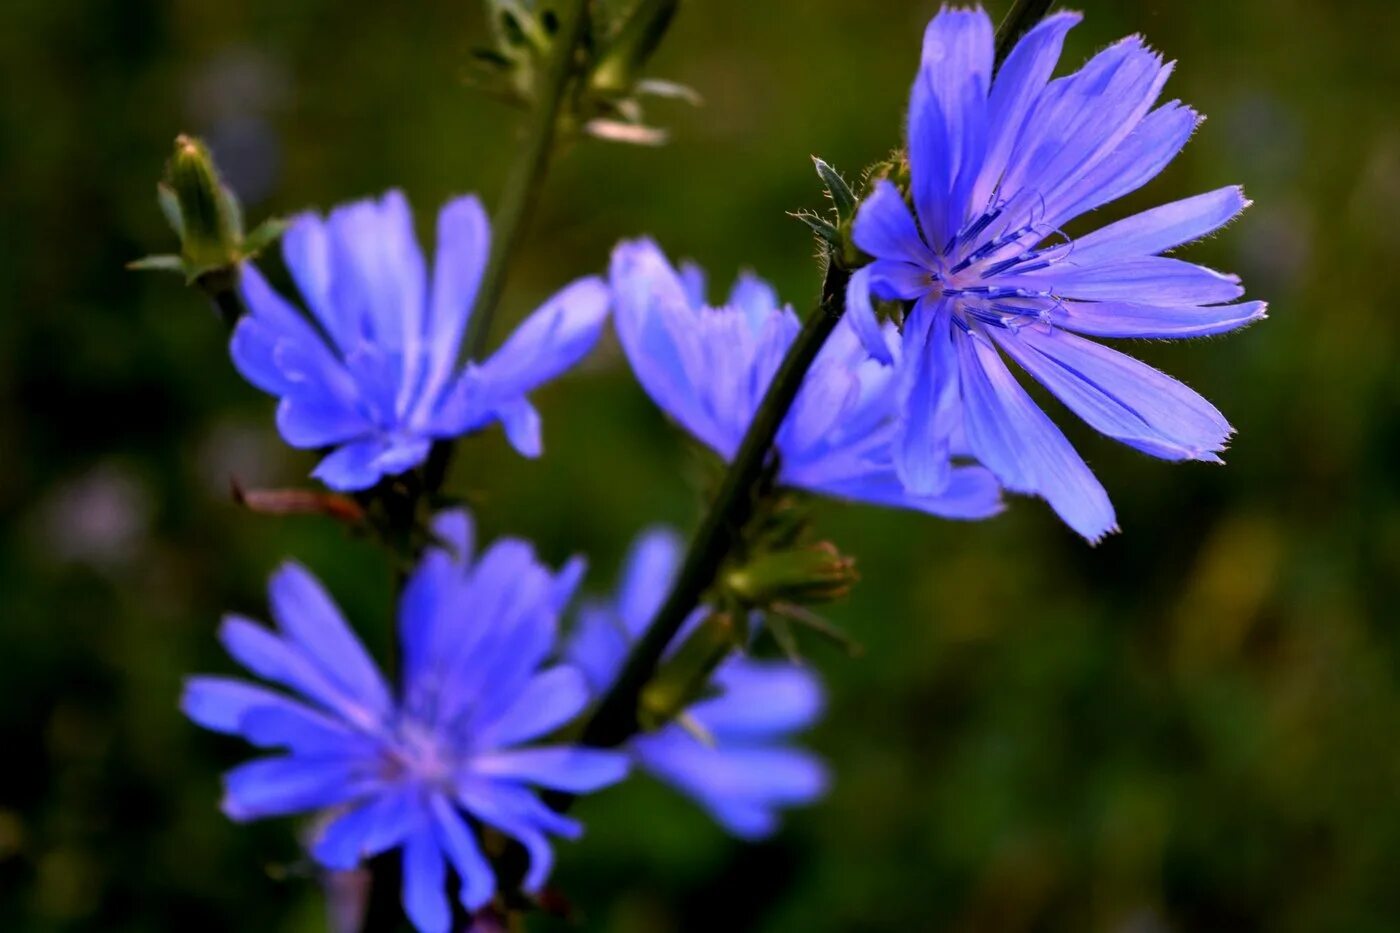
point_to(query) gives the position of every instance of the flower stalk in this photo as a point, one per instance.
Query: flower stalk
(522, 187)
(616, 717)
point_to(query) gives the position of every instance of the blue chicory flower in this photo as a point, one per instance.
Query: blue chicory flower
(748, 772)
(404, 772)
(375, 375)
(998, 166)
(709, 367)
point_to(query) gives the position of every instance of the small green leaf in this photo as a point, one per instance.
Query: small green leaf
(820, 226)
(841, 194)
(263, 236)
(158, 264)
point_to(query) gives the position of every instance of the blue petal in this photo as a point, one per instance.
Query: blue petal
(760, 700)
(353, 467)
(270, 325)
(458, 841)
(692, 280)
(1015, 91)
(885, 229)
(948, 119)
(1161, 228)
(425, 884)
(1128, 319)
(550, 341)
(376, 826)
(306, 250)
(378, 276)
(312, 418)
(220, 703)
(1136, 161)
(830, 391)
(570, 769)
(306, 613)
(1121, 397)
(972, 493)
(648, 570)
(521, 422)
(282, 786)
(929, 386)
(548, 701)
(739, 787)
(463, 245)
(1147, 280)
(755, 297)
(303, 732)
(598, 646)
(660, 334)
(519, 814)
(274, 659)
(1014, 438)
(1080, 120)
(860, 314)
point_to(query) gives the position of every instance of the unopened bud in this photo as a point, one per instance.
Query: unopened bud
(812, 574)
(210, 224)
(631, 46)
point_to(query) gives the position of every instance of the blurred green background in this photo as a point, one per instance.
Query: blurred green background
(1191, 727)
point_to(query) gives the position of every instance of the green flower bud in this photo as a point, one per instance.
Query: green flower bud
(206, 214)
(811, 574)
(631, 46)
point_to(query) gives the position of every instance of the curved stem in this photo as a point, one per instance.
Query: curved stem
(527, 176)
(615, 719)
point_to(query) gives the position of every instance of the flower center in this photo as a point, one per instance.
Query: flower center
(417, 754)
(980, 270)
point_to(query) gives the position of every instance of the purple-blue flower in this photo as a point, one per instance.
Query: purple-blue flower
(409, 771)
(708, 368)
(374, 374)
(742, 772)
(997, 167)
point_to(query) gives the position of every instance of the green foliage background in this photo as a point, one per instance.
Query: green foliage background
(1191, 727)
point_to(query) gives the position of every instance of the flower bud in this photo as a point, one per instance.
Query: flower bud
(206, 217)
(633, 43)
(811, 574)
(206, 214)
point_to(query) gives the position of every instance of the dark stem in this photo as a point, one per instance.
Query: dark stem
(1024, 15)
(615, 719)
(229, 306)
(523, 186)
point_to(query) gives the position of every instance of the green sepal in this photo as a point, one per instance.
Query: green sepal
(165, 263)
(841, 195)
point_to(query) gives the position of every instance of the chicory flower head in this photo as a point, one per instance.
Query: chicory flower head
(997, 166)
(374, 374)
(405, 772)
(746, 773)
(709, 367)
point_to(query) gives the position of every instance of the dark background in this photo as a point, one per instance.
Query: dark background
(1191, 727)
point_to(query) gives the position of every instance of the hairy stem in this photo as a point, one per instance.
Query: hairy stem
(527, 176)
(1024, 15)
(615, 719)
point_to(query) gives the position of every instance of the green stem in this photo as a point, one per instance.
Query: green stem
(527, 177)
(1024, 14)
(615, 719)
